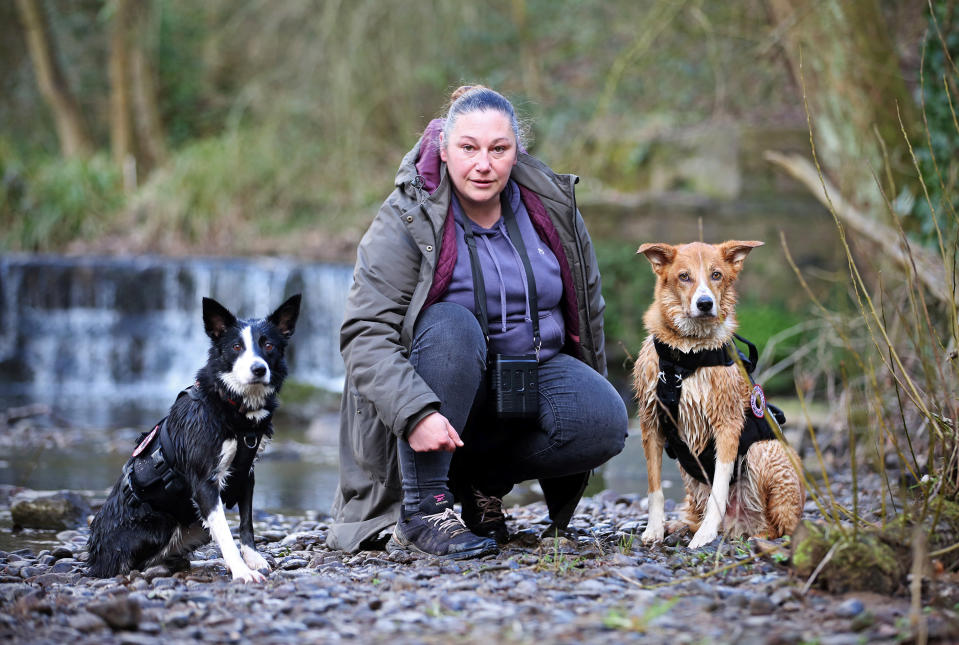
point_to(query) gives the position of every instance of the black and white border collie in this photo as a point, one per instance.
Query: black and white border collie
(199, 459)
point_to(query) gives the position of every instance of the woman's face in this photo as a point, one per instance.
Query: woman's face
(479, 157)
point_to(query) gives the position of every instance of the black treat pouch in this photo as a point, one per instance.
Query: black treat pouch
(514, 381)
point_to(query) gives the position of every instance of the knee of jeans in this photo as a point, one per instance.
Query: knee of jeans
(452, 329)
(611, 435)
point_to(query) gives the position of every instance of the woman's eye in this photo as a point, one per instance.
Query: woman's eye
(717, 275)
(467, 147)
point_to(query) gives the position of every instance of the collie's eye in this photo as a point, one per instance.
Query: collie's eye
(684, 276)
(237, 347)
(268, 346)
(717, 275)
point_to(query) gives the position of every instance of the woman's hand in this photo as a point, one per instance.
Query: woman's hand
(432, 433)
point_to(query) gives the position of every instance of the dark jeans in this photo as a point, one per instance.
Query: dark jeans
(582, 420)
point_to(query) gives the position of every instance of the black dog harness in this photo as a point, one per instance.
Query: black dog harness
(149, 476)
(674, 367)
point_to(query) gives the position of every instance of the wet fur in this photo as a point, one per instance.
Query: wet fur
(768, 497)
(207, 436)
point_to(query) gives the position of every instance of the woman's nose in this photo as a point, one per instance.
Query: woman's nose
(482, 160)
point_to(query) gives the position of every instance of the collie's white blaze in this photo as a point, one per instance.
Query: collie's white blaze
(656, 524)
(227, 453)
(216, 524)
(241, 380)
(257, 415)
(715, 506)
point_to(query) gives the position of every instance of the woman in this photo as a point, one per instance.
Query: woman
(471, 214)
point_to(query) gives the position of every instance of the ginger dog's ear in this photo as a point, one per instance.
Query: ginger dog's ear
(735, 251)
(659, 255)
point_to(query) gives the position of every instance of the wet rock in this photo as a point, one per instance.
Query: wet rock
(85, 622)
(52, 511)
(119, 613)
(849, 608)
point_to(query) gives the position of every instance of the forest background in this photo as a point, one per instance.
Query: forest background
(255, 127)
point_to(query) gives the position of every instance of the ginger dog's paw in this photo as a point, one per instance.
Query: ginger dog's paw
(653, 534)
(703, 537)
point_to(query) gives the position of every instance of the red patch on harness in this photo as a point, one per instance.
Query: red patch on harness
(146, 442)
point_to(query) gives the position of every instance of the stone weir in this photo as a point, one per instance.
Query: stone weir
(110, 341)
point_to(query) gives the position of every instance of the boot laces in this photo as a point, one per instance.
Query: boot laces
(447, 521)
(489, 506)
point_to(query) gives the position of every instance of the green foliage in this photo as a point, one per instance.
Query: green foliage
(52, 201)
(936, 153)
(627, 621)
(628, 283)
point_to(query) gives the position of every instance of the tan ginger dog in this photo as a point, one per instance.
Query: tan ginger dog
(755, 489)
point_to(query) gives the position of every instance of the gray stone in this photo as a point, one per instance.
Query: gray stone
(61, 552)
(849, 608)
(45, 510)
(64, 566)
(120, 612)
(85, 622)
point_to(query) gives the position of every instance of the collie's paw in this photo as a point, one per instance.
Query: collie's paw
(703, 537)
(253, 559)
(248, 575)
(653, 534)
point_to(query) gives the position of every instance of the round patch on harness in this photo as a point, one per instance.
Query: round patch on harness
(757, 401)
(146, 442)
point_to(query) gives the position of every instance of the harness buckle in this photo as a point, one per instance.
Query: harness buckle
(247, 438)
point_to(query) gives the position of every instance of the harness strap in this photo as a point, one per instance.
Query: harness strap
(674, 367)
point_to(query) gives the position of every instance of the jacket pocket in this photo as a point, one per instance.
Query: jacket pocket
(374, 446)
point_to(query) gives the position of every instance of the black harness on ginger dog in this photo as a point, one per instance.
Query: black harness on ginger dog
(674, 367)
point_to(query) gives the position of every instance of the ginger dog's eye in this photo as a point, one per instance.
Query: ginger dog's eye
(717, 275)
(684, 276)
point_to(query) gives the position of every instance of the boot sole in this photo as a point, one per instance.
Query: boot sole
(396, 545)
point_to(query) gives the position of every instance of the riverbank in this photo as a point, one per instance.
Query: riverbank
(600, 586)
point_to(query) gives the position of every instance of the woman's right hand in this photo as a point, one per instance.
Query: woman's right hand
(433, 433)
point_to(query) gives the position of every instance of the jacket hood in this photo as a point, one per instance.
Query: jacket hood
(423, 161)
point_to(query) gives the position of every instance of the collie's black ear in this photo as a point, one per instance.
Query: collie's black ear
(216, 318)
(285, 316)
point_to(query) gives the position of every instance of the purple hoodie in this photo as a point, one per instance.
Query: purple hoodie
(507, 291)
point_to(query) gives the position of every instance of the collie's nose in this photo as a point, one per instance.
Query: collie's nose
(259, 371)
(704, 304)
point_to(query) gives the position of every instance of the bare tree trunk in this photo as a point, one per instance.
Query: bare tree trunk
(149, 129)
(842, 52)
(71, 130)
(121, 123)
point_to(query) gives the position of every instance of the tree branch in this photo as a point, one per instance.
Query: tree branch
(928, 267)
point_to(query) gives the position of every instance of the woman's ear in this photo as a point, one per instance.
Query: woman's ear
(442, 148)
